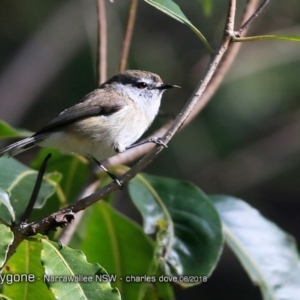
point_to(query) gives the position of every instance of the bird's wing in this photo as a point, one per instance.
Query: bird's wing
(94, 104)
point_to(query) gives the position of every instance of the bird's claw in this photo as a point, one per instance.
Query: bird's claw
(158, 141)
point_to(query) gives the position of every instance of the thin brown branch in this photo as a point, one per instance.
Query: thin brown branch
(102, 42)
(60, 218)
(197, 99)
(128, 35)
(224, 67)
(217, 79)
(253, 17)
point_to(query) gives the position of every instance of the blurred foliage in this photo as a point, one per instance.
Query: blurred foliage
(244, 143)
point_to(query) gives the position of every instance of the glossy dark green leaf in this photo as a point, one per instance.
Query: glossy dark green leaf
(26, 262)
(7, 132)
(6, 239)
(78, 278)
(173, 10)
(268, 254)
(18, 181)
(124, 250)
(189, 228)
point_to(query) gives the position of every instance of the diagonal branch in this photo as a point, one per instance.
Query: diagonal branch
(215, 82)
(67, 213)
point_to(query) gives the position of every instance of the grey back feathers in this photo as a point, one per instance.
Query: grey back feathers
(107, 120)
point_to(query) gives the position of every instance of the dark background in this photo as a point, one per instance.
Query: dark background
(246, 141)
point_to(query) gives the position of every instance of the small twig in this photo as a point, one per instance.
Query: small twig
(128, 35)
(253, 17)
(63, 216)
(102, 42)
(35, 191)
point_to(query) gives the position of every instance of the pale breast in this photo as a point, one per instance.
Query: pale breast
(99, 136)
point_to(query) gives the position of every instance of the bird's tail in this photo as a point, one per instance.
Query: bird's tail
(19, 147)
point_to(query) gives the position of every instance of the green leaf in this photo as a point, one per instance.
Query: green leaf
(7, 132)
(18, 181)
(26, 263)
(189, 229)
(172, 9)
(6, 210)
(70, 276)
(3, 297)
(6, 239)
(268, 254)
(125, 251)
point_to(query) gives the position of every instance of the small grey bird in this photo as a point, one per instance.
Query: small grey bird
(107, 121)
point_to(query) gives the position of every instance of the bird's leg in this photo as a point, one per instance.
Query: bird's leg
(111, 175)
(155, 140)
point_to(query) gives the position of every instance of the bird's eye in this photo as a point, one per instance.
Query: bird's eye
(142, 85)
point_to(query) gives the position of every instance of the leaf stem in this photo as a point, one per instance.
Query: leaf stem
(290, 38)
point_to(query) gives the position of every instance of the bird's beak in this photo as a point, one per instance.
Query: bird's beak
(167, 86)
